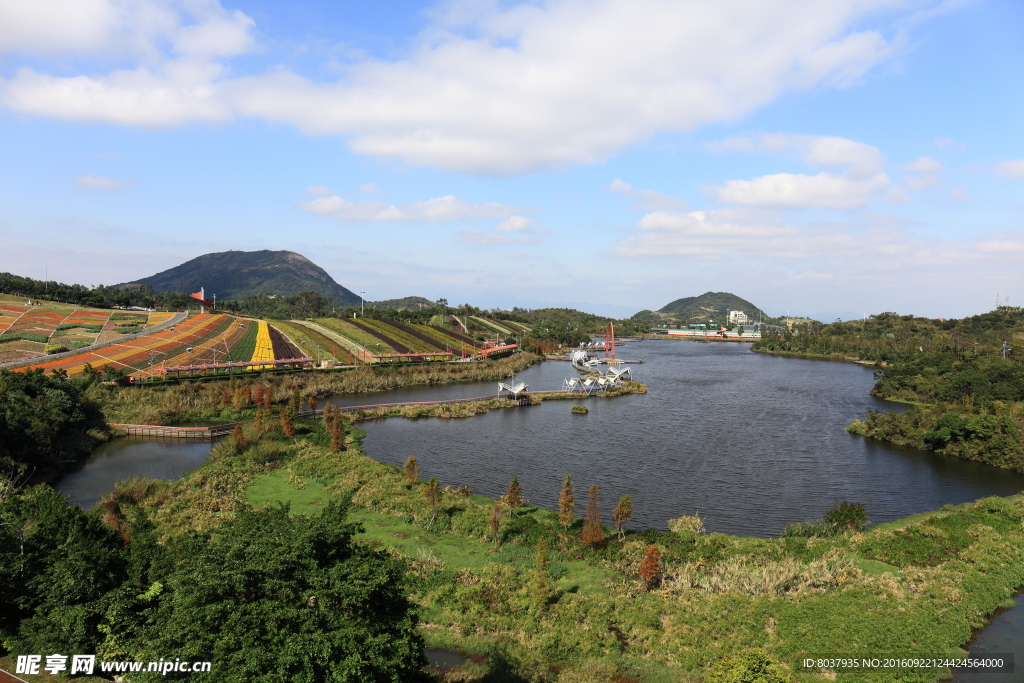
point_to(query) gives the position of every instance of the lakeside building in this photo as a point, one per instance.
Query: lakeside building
(738, 317)
(741, 332)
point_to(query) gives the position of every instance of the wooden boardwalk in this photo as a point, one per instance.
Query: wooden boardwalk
(160, 431)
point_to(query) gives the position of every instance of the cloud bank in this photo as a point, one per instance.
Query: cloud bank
(486, 89)
(439, 210)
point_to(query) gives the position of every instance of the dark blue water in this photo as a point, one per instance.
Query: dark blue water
(131, 457)
(752, 441)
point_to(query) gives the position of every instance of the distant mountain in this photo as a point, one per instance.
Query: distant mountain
(238, 274)
(711, 306)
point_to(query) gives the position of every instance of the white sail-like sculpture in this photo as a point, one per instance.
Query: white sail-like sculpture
(515, 389)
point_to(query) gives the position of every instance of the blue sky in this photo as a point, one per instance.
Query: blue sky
(825, 159)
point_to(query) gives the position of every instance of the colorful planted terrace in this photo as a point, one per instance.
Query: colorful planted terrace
(192, 339)
(317, 344)
(28, 332)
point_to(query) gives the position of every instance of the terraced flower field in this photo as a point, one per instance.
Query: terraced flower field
(28, 332)
(308, 339)
(159, 318)
(123, 323)
(242, 350)
(189, 342)
(9, 315)
(397, 336)
(368, 341)
(339, 344)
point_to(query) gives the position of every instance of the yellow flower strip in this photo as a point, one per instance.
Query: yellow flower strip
(264, 349)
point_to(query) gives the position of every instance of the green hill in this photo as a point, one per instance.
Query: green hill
(710, 306)
(238, 274)
(406, 303)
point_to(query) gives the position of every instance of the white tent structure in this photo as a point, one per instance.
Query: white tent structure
(515, 389)
(619, 373)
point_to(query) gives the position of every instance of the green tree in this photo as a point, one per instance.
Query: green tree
(514, 497)
(273, 597)
(58, 588)
(43, 422)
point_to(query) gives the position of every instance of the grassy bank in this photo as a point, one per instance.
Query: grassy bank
(915, 587)
(204, 401)
(818, 356)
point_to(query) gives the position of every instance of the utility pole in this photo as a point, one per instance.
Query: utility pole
(362, 302)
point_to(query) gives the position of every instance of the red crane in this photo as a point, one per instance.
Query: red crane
(609, 341)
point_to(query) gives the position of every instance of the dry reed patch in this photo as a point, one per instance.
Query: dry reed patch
(760, 576)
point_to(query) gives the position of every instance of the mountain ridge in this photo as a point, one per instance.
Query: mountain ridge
(238, 274)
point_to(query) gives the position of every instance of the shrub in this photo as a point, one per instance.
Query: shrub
(580, 410)
(846, 516)
(24, 336)
(412, 470)
(752, 666)
(56, 348)
(694, 524)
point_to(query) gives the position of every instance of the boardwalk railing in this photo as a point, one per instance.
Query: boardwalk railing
(177, 432)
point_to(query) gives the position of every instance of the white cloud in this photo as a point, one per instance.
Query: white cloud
(369, 188)
(487, 89)
(317, 191)
(797, 191)
(861, 180)
(648, 200)
(924, 173)
(520, 224)
(820, 151)
(98, 182)
(145, 29)
(480, 237)
(438, 210)
(1010, 169)
(758, 236)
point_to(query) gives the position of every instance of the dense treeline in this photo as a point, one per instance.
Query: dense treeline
(889, 337)
(269, 597)
(45, 422)
(100, 296)
(946, 378)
